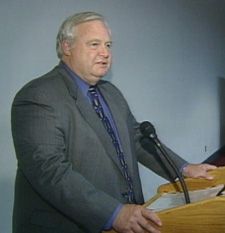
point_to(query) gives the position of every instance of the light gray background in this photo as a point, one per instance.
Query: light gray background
(168, 61)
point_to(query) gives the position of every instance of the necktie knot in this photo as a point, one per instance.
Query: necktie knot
(92, 89)
(93, 95)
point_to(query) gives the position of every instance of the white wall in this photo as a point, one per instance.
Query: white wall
(168, 60)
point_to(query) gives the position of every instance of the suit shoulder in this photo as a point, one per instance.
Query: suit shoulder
(48, 85)
(110, 87)
(43, 81)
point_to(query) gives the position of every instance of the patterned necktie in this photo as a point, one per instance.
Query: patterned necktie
(93, 95)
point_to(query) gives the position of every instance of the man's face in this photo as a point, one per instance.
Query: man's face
(90, 55)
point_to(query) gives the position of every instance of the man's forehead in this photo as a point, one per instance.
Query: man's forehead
(93, 25)
(94, 28)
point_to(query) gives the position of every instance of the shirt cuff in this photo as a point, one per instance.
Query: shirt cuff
(111, 220)
(183, 167)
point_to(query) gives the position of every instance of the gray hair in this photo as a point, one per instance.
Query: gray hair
(67, 29)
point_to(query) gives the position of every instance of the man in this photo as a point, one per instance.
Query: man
(77, 143)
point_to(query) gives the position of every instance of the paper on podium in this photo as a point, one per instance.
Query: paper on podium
(171, 200)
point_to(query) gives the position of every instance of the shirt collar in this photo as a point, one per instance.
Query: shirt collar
(83, 86)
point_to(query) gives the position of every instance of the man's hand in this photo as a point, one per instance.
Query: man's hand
(136, 219)
(198, 171)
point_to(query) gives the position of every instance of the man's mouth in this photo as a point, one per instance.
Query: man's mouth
(102, 62)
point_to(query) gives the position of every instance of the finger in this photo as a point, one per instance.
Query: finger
(153, 217)
(209, 167)
(147, 226)
(137, 228)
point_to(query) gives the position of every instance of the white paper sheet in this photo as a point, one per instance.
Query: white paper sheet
(171, 200)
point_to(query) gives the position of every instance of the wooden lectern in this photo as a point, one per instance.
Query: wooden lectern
(207, 216)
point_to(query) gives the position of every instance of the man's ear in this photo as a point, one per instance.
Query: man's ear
(66, 48)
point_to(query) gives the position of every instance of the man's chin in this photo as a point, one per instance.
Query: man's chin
(102, 71)
(101, 74)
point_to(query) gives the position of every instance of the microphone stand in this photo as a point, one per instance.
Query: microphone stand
(148, 131)
(174, 167)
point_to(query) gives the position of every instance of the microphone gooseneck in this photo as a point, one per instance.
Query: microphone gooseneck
(148, 131)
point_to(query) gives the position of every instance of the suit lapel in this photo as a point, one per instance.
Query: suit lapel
(121, 124)
(95, 123)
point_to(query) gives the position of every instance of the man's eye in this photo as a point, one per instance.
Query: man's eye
(94, 44)
(109, 45)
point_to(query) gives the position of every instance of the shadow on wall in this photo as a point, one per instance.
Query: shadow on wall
(7, 192)
(218, 157)
(222, 110)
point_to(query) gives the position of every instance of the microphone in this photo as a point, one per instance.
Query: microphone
(148, 131)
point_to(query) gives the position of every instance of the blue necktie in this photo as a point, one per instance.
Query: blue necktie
(93, 95)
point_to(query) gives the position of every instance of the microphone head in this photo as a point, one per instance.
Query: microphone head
(147, 129)
(148, 144)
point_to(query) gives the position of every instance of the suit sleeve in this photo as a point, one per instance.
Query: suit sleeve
(40, 147)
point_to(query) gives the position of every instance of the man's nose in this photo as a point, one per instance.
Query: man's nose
(105, 51)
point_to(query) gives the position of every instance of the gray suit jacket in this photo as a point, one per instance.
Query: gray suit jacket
(69, 179)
